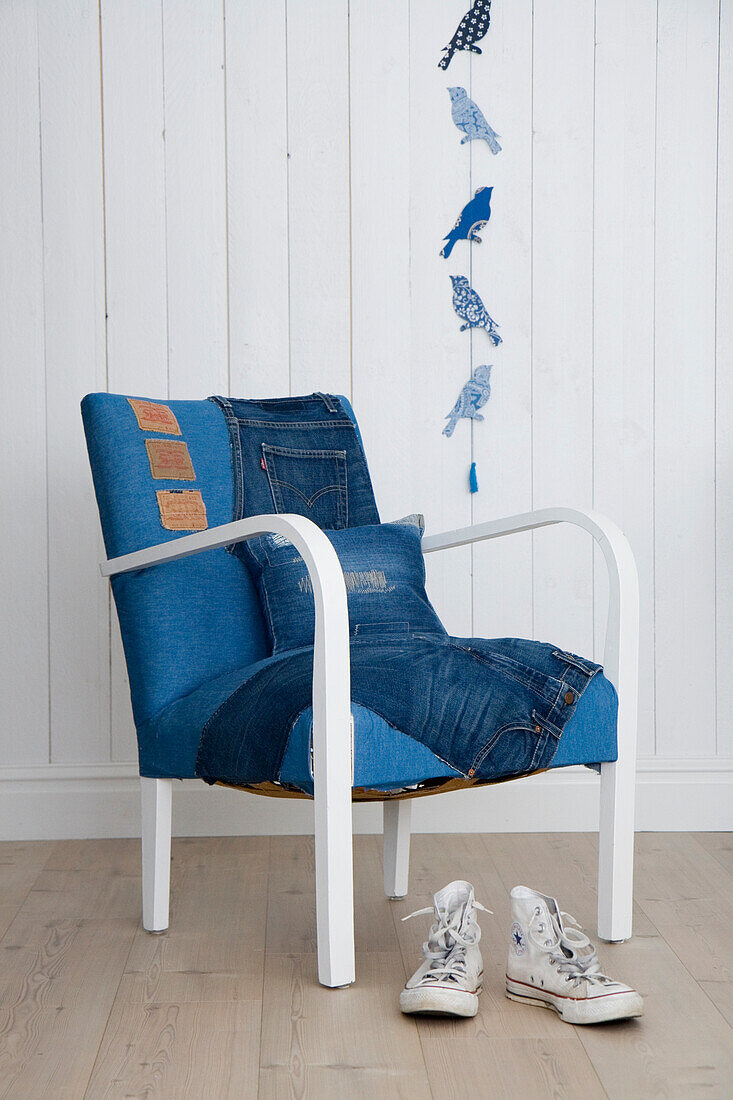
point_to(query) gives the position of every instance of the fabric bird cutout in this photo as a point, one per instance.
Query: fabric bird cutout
(471, 30)
(468, 306)
(469, 117)
(473, 217)
(472, 397)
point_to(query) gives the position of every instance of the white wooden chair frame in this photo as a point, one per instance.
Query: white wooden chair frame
(333, 731)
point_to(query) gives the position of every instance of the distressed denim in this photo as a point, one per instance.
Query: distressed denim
(489, 709)
(384, 570)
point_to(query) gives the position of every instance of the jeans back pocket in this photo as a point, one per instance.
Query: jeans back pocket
(308, 483)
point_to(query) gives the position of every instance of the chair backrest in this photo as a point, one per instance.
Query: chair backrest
(186, 622)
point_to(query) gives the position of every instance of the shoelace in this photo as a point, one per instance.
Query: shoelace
(448, 959)
(564, 945)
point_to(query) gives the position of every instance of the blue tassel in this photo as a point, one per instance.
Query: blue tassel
(472, 479)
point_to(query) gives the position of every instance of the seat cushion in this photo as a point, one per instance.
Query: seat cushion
(384, 758)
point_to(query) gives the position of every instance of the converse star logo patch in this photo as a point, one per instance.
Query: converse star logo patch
(517, 937)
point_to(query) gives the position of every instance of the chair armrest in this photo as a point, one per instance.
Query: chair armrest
(332, 751)
(621, 648)
(623, 609)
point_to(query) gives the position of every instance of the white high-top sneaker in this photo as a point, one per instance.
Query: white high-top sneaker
(449, 979)
(554, 965)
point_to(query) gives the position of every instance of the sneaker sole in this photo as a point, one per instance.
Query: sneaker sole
(439, 1002)
(574, 1010)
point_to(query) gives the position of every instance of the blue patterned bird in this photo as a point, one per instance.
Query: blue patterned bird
(472, 218)
(470, 308)
(470, 30)
(472, 397)
(469, 117)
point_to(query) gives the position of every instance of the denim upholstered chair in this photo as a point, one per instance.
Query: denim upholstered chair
(191, 627)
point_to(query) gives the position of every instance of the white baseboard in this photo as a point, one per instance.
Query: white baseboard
(71, 801)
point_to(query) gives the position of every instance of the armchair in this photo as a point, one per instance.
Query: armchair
(191, 627)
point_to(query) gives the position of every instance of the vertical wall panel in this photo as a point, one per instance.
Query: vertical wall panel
(195, 196)
(440, 182)
(562, 314)
(318, 146)
(272, 184)
(134, 176)
(502, 444)
(73, 234)
(724, 389)
(257, 188)
(380, 246)
(685, 376)
(23, 544)
(623, 327)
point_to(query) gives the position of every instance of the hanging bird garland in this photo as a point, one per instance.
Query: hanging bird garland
(471, 30)
(469, 307)
(472, 218)
(469, 117)
(474, 395)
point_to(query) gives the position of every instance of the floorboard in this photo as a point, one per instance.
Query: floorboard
(227, 1003)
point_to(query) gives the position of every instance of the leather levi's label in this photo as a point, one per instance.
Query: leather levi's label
(182, 509)
(152, 417)
(169, 458)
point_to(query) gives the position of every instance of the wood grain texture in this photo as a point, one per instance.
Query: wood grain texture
(58, 984)
(227, 1002)
(172, 1050)
(20, 865)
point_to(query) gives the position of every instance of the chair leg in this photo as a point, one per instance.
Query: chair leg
(616, 851)
(334, 886)
(157, 797)
(396, 816)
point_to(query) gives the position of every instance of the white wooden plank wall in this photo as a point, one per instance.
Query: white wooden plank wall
(204, 196)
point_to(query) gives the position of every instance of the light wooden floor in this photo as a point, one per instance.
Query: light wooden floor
(227, 1004)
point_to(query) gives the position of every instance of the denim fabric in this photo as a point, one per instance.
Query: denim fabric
(301, 455)
(384, 571)
(489, 709)
(185, 622)
(386, 758)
